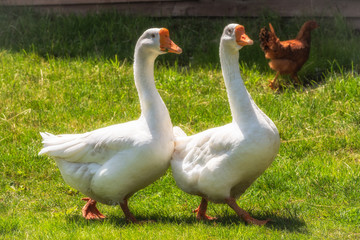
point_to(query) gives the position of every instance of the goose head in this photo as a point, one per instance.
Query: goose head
(157, 41)
(234, 37)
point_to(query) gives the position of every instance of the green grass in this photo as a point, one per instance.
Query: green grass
(71, 74)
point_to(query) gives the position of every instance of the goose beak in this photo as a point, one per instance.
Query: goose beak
(241, 38)
(166, 45)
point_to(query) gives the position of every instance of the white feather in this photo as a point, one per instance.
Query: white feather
(112, 163)
(222, 162)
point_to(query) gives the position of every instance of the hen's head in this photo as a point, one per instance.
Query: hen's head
(311, 25)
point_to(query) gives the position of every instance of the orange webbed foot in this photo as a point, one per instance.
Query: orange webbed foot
(201, 211)
(243, 214)
(90, 211)
(205, 217)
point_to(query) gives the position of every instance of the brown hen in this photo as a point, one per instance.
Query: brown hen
(287, 57)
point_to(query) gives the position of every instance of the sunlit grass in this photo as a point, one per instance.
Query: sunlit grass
(311, 191)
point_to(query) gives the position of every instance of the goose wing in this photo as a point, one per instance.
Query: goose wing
(96, 146)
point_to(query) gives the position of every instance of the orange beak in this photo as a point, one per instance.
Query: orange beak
(166, 45)
(241, 38)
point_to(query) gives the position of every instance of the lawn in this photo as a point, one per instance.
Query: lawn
(72, 74)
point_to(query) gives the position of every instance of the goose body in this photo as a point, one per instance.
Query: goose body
(112, 163)
(219, 164)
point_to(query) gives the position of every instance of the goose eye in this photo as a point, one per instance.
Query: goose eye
(153, 35)
(229, 31)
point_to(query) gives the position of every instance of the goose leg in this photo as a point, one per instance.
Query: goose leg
(128, 215)
(89, 211)
(243, 214)
(201, 211)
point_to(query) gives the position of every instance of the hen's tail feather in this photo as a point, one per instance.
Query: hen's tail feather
(270, 43)
(267, 38)
(272, 30)
(264, 37)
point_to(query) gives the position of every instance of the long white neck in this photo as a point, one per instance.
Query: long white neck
(153, 108)
(241, 104)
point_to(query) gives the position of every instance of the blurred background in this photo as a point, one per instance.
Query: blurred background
(104, 28)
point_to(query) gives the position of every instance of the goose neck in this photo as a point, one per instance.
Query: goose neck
(153, 108)
(241, 104)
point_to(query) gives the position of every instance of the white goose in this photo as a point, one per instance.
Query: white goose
(219, 164)
(110, 164)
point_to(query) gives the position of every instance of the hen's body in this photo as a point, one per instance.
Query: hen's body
(287, 57)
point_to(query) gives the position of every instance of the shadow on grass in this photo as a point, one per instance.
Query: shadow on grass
(121, 221)
(290, 224)
(312, 80)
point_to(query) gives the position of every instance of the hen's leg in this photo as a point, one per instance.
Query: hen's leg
(201, 211)
(296, 79)
(89, 211)
(128, 215)
(272, 83)
(243, 214)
